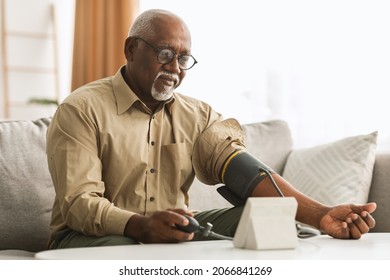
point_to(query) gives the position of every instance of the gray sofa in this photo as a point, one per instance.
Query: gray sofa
(27, 192)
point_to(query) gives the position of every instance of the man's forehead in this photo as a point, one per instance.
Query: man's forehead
(170, 34)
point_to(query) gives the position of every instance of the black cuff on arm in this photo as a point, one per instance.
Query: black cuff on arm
(241, 173)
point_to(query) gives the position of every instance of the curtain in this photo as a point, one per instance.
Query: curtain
(101, 27)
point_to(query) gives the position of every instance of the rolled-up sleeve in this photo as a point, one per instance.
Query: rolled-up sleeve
(214, 146)
(76, 170)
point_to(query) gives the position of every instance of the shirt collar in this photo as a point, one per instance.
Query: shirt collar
(125, 97)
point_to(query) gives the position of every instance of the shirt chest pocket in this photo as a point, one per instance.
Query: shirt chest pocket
(176, 166)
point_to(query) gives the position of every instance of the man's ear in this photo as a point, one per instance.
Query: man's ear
(129, 47)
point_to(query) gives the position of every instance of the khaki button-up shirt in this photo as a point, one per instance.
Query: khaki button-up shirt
(110, 157)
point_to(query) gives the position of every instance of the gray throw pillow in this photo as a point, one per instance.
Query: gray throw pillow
(26, 188)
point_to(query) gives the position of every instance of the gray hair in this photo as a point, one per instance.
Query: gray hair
(143, 24)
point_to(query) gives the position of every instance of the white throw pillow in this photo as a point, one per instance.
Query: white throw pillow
(334, 173)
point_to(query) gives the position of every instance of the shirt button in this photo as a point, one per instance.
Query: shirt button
(151, 198)
(152, 170)
(152, 143)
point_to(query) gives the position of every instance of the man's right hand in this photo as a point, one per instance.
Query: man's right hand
(159, 227)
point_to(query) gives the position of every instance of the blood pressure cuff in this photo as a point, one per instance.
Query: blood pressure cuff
(241, 173)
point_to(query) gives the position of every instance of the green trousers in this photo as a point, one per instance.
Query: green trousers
(224, 221)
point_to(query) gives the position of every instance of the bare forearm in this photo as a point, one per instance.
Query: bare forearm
(309, 211)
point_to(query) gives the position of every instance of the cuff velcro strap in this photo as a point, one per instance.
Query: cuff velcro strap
(242, 172)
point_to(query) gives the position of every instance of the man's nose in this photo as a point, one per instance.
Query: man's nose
(173, 66)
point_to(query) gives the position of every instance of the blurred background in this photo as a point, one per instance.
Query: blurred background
(323, 66)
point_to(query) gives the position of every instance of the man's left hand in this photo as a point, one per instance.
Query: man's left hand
(348, 221)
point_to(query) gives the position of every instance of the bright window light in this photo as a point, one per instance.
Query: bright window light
(323, 66)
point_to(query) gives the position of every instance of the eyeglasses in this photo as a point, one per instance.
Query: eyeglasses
(165, 56)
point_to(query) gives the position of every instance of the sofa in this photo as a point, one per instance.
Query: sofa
(27, 192)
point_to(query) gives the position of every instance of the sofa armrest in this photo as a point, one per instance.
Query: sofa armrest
(380, 191)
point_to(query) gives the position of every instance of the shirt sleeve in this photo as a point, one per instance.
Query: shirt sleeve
(214, 146)
(76, 170)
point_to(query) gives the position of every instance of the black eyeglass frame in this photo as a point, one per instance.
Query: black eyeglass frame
(158, 51)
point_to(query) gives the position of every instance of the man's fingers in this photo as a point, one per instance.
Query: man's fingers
(354, 231)
(360, 224)
(368, 219)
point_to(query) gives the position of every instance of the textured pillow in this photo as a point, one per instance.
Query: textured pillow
(26, 189)
(334, 173)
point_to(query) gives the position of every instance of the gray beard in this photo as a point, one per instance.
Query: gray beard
(166, 94)
(167, 91)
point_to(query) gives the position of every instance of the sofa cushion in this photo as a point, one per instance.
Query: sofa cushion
(270, 141)
(334, 173)
(26, 188)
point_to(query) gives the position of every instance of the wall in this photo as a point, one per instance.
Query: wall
(32, 52)
(323, 66)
